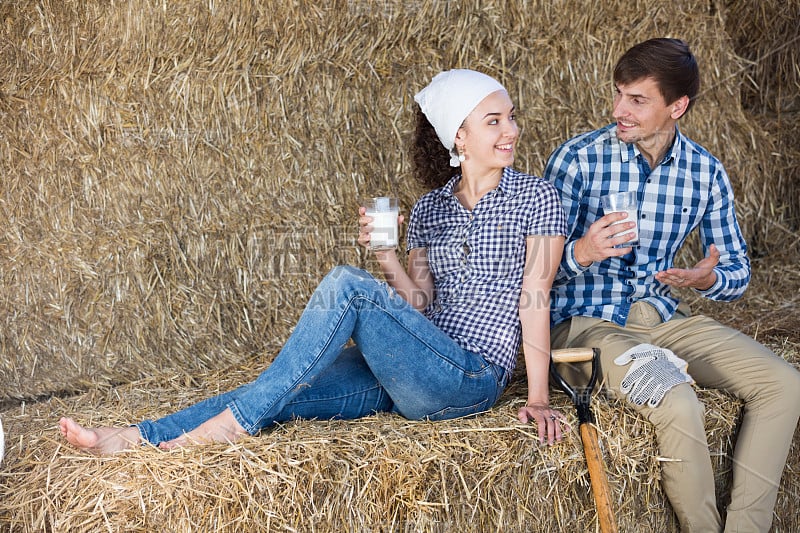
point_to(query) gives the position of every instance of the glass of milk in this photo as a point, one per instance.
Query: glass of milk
(384, 212)
(624, 202)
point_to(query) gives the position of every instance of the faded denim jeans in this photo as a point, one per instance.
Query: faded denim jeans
(401, 362)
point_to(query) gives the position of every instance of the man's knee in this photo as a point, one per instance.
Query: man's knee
(771, 380)
(787, 388)
(680, 408)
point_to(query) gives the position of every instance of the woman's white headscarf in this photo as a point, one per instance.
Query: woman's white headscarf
(449, 99)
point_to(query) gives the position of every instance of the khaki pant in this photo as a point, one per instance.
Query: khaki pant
(721, 358)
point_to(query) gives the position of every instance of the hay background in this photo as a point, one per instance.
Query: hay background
(177, 177)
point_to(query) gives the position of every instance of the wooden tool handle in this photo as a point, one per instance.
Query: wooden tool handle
(597, 475)
(572, 355)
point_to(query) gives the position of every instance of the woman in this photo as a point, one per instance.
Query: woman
(437, 340)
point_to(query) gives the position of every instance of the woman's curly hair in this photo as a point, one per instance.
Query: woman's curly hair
(430, 159)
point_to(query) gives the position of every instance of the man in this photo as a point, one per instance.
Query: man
(617, 297)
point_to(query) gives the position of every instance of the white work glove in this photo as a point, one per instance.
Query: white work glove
(654, 371)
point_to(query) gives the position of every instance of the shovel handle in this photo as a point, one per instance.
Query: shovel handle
(581, 397)
(598, 478)
(572, 355)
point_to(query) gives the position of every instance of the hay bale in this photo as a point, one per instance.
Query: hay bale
(177, 178)
(766, 34)
(381, 473)
(783, 213)
(176, 181)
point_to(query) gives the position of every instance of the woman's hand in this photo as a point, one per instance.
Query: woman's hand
(548, 421)
(365, 228)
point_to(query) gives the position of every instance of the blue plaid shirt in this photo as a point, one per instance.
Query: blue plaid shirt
(477, 259)
(689, 189)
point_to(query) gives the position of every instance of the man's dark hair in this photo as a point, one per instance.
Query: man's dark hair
(668, 61)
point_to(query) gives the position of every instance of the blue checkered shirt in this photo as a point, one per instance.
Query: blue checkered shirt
(689, 189)
(477, 259)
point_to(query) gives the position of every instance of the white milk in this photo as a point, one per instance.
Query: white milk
(623, 202)
(633, 215)
(384, 232)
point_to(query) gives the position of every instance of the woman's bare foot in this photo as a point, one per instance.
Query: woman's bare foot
(100, 441)
(220, 428)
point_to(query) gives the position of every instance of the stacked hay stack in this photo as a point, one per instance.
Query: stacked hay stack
(177, 177)
(769, 38)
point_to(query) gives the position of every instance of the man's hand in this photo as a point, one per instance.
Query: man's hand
(701, 276)
(598, 243)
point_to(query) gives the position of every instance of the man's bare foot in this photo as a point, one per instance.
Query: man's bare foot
(220, 428)
(100, 441)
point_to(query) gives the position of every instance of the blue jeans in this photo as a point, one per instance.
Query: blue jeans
(401, 362)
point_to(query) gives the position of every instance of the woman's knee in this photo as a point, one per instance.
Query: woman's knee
(344, 277)
(344, 274)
